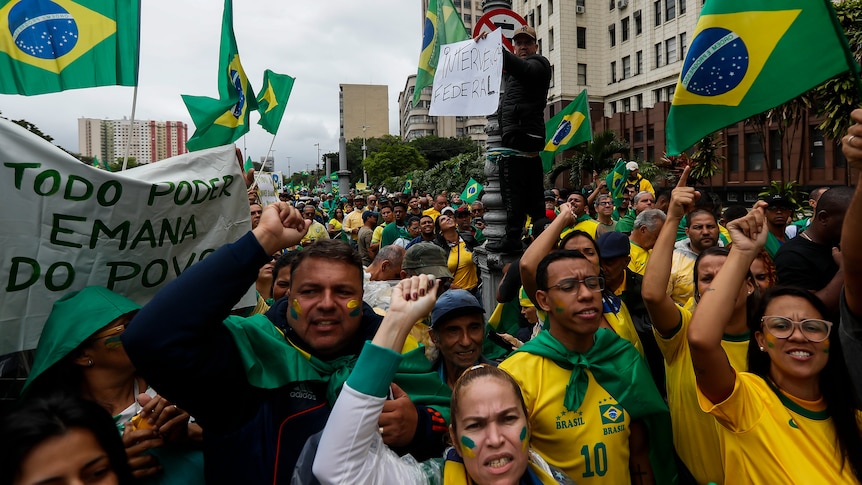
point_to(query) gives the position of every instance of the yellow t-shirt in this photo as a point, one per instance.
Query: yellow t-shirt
(336, 226)
(591, 445)
(352, 221)
(461, 266)
(376, 235)
(680, 287)
(621, 322)
(316, 231)
(589, 226)
(768, 438)
(434, 213)
(640, 256)
(695, 434)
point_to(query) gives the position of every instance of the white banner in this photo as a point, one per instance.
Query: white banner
(67, 225)
(266, 189)
(468, 76)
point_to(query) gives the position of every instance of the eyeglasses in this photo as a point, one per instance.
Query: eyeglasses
(813, 329)
(111, 336)
(606, 203)
(571, 285)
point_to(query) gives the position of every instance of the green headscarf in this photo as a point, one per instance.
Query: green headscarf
(618, 367)
(75, 317)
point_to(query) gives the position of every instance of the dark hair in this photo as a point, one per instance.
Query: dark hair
(834, 380)
(553, 257)
(286, 259)
(734, 212)
(412, 219)
(709, 201)
(328, 249)
(474, 373)
(37, 420)
(696, 212)
(579, 233)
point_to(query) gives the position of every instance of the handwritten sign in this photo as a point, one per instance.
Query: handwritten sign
(68, 225)
(468, 76)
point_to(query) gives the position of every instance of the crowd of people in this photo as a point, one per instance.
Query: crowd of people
(657, 338)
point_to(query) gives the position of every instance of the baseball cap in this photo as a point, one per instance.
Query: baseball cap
(779, 200)
(454, 303)
(549, 195)
(631, 166)
(613, 245)
(369, 214)
(462, 210)
(427, 258)
(447, 209)
(526, 30)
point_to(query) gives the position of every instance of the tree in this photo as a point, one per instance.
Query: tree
(30, 127)
(597, 155)
(391, 161)
(436, 149)
(450, 175)
(707, 159)
(117, 164)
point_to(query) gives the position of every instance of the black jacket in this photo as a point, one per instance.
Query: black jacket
(522, 109)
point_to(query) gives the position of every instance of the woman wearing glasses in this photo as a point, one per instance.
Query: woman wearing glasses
(80, 354)
(779, 422)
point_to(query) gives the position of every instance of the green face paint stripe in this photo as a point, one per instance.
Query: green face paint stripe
(355, 313)
(770, 344)
(293, 314)
(468, 442)
(523, 433)
(559, 309)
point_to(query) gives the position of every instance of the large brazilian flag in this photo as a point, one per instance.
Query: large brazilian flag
(748, 56)
(50, 46)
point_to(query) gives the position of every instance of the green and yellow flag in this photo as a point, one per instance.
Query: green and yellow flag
(616, 181)
(747, 56)
(51, 46)
(568, 128)
(273, 99)
(248, 165)
(222, 121)
(442, 26)
(471, 191)
(408, 185)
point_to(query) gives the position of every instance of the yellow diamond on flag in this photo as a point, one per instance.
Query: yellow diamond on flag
(269, 97)
(611, 414)
(567, 128)
(727, 53)
(51, 39)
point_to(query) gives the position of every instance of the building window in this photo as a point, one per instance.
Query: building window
(639, 62)
(579, 3)
(650, 153)
(639, 136)
(582, 74)
(582, 37)
(624, 24)
(551, 6)
(540, 46)
(670, 10)
(818, 149)
(658, 57)
(612, 6)
(650, 133)
(532, 19)
(613, 107)
(753, 153)
(639, 103)
(468, 18)
(627, 105)
(551, 39)
(627, 67)
(775, 149)
(733, 152)
(670, 50)
(656, 94)
(538, 14)
(683, 45)
(681, 7)
(614, 71)
(552, 79)
(612, 34)
(669, 92)
(639, 28)
(457, 3)
(657, 10)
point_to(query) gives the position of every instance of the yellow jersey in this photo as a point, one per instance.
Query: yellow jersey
(680, 287)
(588, 225)
(591, 445)
(695, 434)
(434, 213)
(768, 437)
(640, 256)
(461, 266)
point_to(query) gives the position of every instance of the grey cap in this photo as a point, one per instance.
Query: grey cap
(454, 303)
(427, 258)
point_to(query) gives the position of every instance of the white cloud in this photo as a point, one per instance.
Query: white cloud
(322, 43)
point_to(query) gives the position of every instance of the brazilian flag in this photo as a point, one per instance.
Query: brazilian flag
(273, 99)
(616, 181)
(408, 185)
(222, 121)
(52, 46)
(443, 25)
(568, 128)
(747, 56)
(471, 191)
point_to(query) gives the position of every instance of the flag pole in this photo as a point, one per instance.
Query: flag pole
(131, 129)
(270, 151)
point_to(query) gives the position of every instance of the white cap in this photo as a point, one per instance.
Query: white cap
(632, 166)
(447, 209)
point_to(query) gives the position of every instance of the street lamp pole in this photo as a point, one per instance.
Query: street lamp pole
(364, 154)
(318, 158)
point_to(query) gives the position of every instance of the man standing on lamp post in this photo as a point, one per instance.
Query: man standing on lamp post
(522, 119)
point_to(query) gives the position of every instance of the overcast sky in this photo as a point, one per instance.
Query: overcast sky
(321, 43)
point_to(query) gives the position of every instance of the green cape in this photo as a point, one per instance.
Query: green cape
(271, 361)
(618, 367)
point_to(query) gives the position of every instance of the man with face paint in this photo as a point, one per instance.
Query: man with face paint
(583, 221)
(274, 390)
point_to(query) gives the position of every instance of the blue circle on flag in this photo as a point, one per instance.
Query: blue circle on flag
(427, 33)
(716, 63)
(42, 29)
(237, 84)
(562, 132)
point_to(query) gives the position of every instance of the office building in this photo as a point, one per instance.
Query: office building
(364, 110)
(151, 140)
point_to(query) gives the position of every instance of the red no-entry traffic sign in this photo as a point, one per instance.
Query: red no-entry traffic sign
(501, 18)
